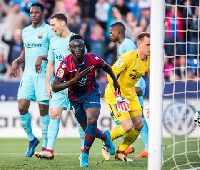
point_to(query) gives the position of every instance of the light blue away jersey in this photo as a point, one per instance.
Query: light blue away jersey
(126, 45)
(58, 50)
(141, 83)
(36, 43)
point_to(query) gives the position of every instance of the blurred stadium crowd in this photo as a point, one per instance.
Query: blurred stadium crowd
(92, 18)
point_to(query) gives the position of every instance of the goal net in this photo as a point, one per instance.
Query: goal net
(181, 136)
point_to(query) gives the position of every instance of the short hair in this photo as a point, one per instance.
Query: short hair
(38, 5)
(76, 36)
(59, 16)
(120, 26)
(142, 35)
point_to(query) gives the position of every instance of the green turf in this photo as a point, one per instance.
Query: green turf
(67, 151)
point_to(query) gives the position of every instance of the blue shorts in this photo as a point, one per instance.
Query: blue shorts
(91, 100)
(33, 88)
(59, 99)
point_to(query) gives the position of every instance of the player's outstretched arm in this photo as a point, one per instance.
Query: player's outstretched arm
(108, 70)
(16, 62)
(58, 85)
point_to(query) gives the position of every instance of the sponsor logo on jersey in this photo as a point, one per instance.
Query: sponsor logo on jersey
(63, 65)
(60, 73)
(32, 45)
(40, 36)
(133, 76)
(119, 63)
(83, 81)
(97, 58)
(59, 57)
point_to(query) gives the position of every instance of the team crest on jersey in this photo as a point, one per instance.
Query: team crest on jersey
(60, 72)
(119, 63)
(63, 65)
(40, 36)
(96, 58)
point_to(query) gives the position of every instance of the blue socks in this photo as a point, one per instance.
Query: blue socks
(25, 121)
(53, 130)
(145, 134)
(44, 121)
(82, 135)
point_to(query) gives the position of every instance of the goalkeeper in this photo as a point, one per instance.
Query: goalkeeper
(125, 106)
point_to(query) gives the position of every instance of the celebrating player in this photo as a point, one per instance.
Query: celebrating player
(77, 72)
(36, 38)
(58, 101)
(128, 68)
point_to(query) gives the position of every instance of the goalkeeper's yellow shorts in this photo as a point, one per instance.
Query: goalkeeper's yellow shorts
(135, 108)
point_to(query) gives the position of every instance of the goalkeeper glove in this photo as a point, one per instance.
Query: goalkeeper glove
(122, 103)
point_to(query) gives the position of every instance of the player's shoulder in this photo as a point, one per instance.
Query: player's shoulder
(130, 54)
(47, 26)
(54, 39)
(67, 59)
(27, 28)
(91, 56)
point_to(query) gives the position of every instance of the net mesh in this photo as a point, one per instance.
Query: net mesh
(181, 142)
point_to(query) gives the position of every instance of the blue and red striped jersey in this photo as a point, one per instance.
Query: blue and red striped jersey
(67, 70)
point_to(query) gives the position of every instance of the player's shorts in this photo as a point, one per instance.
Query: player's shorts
(91, 100)
(59, 100)
(33, 88)
(135, 108)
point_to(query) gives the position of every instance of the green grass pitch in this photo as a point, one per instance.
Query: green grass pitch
(67, 151)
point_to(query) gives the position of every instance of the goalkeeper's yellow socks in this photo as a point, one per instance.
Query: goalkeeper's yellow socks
(129, 138)
(116, 132)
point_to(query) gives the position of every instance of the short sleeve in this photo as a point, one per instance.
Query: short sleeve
(98, 61)
(61, 72)
(50, 53)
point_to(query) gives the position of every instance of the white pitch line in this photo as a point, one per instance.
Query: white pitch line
(94, 154)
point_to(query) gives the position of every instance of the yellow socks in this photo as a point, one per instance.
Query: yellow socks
(129, 138)
(116, 132)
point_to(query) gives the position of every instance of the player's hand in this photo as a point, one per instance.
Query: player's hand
(38, 65)
(116, 86)
(138, 91)
(49, 91)
(15, 68)
(79, 74)
(122, 103)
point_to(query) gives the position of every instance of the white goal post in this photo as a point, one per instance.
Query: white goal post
(156, 89)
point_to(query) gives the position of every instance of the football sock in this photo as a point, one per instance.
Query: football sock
(101, 135)
(116, 132)
(90, 133)
(82, 135)
(116, 122)
(129, 138)
(44, 125)
(53, 132)
(144, 134)
(25, 121)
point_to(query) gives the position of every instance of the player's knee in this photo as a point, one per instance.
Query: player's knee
(92, 121)
(54, 115)
(139, 126)
(127, 127)
(44, 109)
(22, 109)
